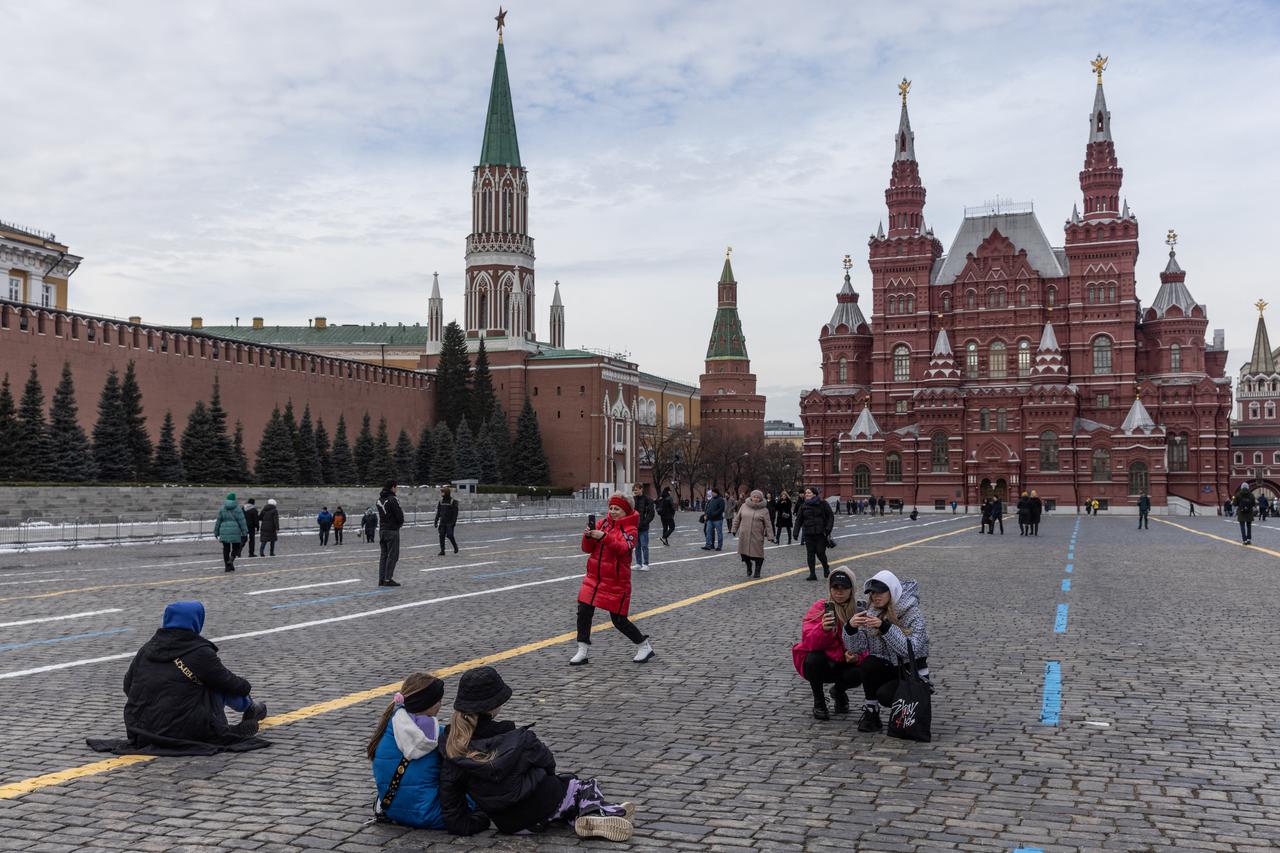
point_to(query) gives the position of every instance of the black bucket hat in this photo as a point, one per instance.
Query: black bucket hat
(480, 690)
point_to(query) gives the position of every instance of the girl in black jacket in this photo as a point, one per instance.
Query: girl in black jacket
(511, 775)
(816, 519)
(782, 511)
(446, 518)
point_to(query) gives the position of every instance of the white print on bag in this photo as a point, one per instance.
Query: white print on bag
(903, 714)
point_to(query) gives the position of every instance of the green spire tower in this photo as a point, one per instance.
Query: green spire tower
(728, 387)
(500, 146)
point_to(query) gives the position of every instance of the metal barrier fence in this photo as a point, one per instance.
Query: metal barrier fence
(159, 527)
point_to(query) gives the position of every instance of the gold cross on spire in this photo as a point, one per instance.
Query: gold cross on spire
(1261, 305)
(1098, 65)
(848, 263)
(728, 250)
(1171, 239)
(501, 18)
(903, 88)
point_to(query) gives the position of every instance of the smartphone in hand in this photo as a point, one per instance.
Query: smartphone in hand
(591, 522)
(859, 606)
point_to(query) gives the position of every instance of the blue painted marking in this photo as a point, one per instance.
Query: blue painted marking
(512, 572)
(1066, 584)
(1070, 567)
(328, 599)
(1029, 850)
(1051, 704)
(10, 646)
(1060, 623)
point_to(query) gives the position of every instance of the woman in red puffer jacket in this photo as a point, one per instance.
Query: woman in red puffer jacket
(608, 580)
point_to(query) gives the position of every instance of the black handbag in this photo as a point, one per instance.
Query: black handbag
(911, 713)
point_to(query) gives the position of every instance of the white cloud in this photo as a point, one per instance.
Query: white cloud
(297, 158)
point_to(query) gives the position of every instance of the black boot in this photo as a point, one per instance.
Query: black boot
(820, 710)
(870, 721)
(757, 572)
(841, 700)
(812, 577)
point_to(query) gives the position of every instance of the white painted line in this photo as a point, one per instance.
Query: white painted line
(304, 586)
(43, 580)
(460, 566)
(58, 618)
(18, 673)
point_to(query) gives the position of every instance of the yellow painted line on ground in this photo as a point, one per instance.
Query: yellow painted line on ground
(36, 783)
(1238, 544)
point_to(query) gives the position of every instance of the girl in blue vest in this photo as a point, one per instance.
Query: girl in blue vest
(408, 734)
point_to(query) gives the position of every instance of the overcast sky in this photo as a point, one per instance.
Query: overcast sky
(294, 159)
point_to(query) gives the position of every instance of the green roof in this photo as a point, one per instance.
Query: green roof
(309, 336)
(500, 145)
(727, 340)
(726, 275)
(563, 353)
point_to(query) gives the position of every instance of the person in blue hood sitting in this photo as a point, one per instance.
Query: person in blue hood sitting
(177, 690)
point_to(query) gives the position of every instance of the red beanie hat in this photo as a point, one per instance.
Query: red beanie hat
(622, 503)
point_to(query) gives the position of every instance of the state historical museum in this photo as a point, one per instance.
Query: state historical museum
(1006, 364)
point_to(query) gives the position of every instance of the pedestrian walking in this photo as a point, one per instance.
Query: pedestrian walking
(325, 520)
(817, 521)
(731, 505)
(714, 511)
(986, 515)
(390, 519)
(1227, 508)
(644, 508)
(510, 776)
(369, 521)
(230, 529)
(251, 521)
(871, 502)
(667, 512)
(1144, 510)
(1246, 506)
(1193, 507)
(953, 507)
(339, 522)
(882, 503)
(1264, 507)
(782, 521)
(1096, 505)
(820, 656)
(1024, 514)
(446, 519)
(997, 515)
(1037, 508)
(607, 583)
(751, 526)
(880, 634)
(269, 527)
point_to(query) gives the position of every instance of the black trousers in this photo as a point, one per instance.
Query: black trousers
(820, 669)
(388, 554)
(337, 536)
(816, 546)
(229, 554)
(368, 533)
(777, 532)
(1142, 521)
(758, 562)
(262, 552)
(585, 614)
(447, 533)
(253, 537)
(668, 527)
(324, 535)
(879, 680)
(1246, 529)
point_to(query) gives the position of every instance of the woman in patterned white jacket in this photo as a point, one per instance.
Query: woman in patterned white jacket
(880, 635)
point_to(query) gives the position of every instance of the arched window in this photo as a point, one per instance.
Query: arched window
(1138, 480)
(901, 363)
(946, 302)
(1002, 420)
(1002, 297)
(1275, 458)
(680, 414)
(997, 363)
(1270, 409)
(862, 480)
(1175, 358)
(1051, 296)
(844, 370)
(671, 414)
(1102, 465)
(938, 451)
(1257, 457)
(1093, 294)
(893, 468)
(835, 455)
(1239, 458)
(1024, 358)
(1254, 410)
(911, 304)
(1022, 296)
(971, 360)
(1048, 450)
(1102, 354)
(984, 420)
(1111, 293)
(991, 297)
(971, 299)
(1178, 452)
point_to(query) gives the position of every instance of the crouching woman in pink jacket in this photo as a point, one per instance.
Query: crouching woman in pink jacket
(820, 656)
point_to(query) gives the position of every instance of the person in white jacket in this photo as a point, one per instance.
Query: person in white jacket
(893, 619)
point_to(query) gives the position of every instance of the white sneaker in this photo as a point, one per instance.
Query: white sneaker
(643, 568)
(581, 656)
(644, 652)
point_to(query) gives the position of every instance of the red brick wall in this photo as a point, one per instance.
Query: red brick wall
(174, 380)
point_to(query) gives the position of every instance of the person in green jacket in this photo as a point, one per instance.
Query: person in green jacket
(231, 530)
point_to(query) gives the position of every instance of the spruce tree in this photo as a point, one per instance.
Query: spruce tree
(31, 444)
(243, 475)
(466, 459)
(442, 455)
(363, 451)
(197, 447)
(135, 424)
(452, 373)
(167, 466)
(223, 464)
(324, 453)
(72, 459)
(344, 467)
(382, 466)
(490, 472)
(405, 459)
(8, 432)
(111, 434)
(422, 462)
(275, 462)
(500, 437)
(529, 460)
(308, 455)
(483, 398)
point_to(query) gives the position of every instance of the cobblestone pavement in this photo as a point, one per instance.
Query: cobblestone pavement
(1166, 732)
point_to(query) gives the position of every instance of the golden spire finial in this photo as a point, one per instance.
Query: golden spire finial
(848, 263)
(501, 18)
(903, 88)
(1171, 239)
(1261, 305)
(1098, 65)
(728, 250)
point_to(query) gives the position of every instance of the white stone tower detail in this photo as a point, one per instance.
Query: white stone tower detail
(557, 320)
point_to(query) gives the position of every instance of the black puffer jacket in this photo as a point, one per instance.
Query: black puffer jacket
(176, 686)
(446, 514)
(815, 518)
(517, 787)
(269, 523)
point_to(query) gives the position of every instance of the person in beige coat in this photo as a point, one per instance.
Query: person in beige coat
(752, 527)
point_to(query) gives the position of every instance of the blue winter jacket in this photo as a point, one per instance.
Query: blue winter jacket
(325, 519)
(417, 803)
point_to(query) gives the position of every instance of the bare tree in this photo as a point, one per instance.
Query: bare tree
(779, 466)
(689, 461)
